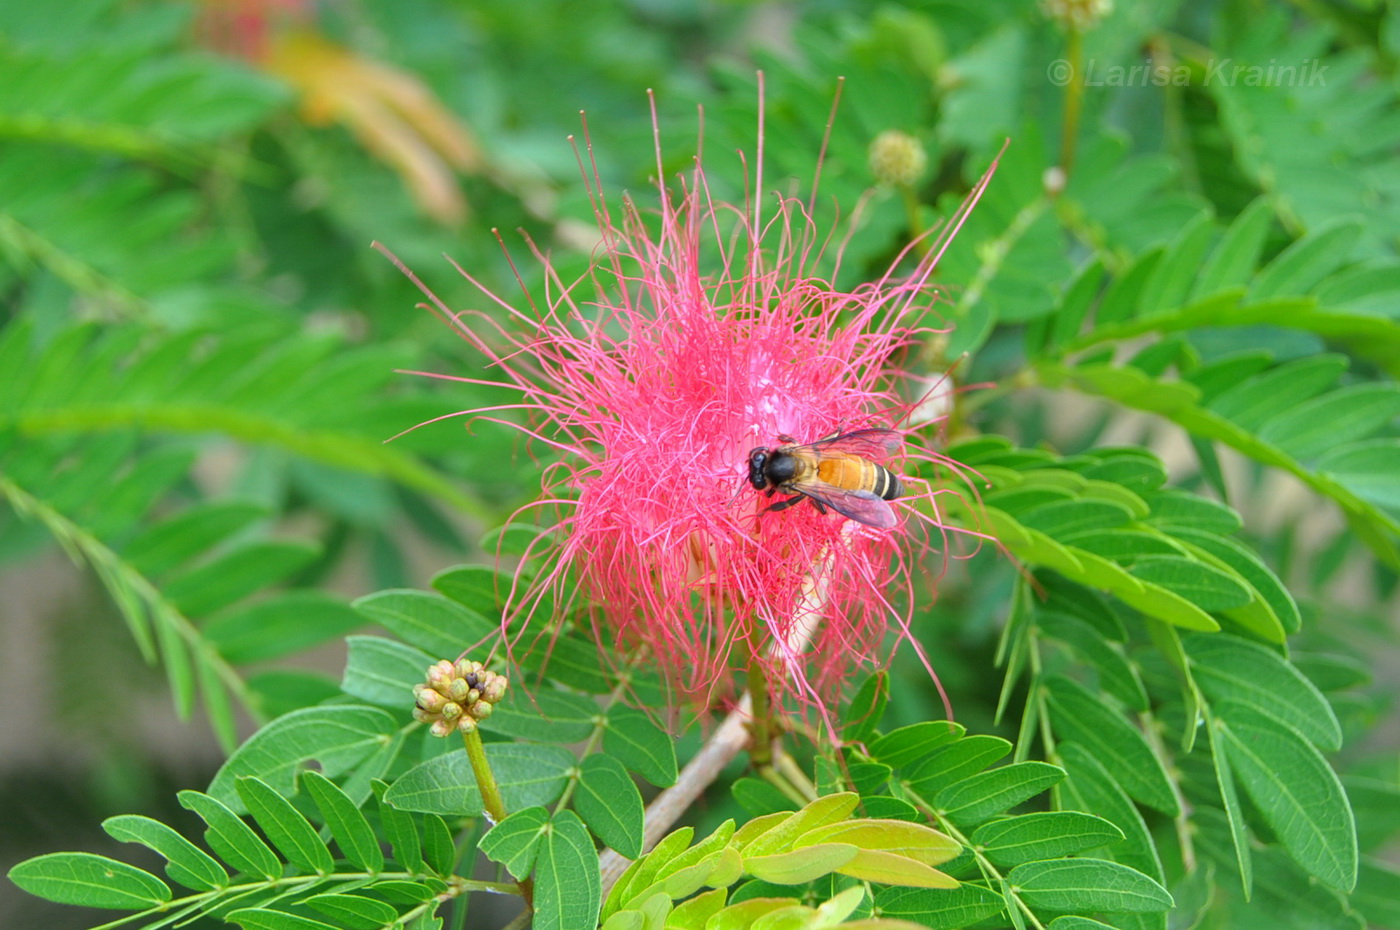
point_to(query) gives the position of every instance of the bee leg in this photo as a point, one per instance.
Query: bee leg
(784, 505)
(821, 508)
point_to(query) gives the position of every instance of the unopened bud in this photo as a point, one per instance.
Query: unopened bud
(897, 158)
(442, 727)
(495, 689)
(458, 690)
(1079, 15)
(466, 725)
(451, 711)
(431, 701)
(480, 710)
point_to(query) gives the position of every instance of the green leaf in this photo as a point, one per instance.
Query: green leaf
(383, 671)
(1207, 587)
(568, 887)
(337, 737)
(1296, 791)
(1234, 812)
(1254, 402)
(439, 849)
(230, 838)
(1092, 788)
(478, 587)
(873, 865)
(281, 625)
(1046, 835)
(866, 708)
(236, 574)
(168, 544)
(1117, 675)
(1088, 885)
(910, 840)
(251, 918)
(401, 831)
(285, 827)
(352, 911)
(1179, 268)
(1077, 923)
(186, 863)
(911, 743)
(347, 823)
(514, 841)
(974, 799)
(1336, 418)
(948, 909)
(1279, 615)
(641, 745)
(1079, 716)
(784, 830)
(1300, 266)
(799, 866)
(434, 624)
(1232, 262)
(758, 797)
(610, 804)
(952, 763)
(545, 715)
(528, 775)
(1065, 518)
(90, 881)
(1378, 893)
(1232, 669)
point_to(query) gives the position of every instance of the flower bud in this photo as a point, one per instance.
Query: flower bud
(431, 701)
(480, 710)
(441, 728)
(1079, 15)
(495, 689)
(458, 691)
(897, 158)
(451, 711)
(466, 725)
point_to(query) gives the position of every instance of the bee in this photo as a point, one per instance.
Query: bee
(841, 471)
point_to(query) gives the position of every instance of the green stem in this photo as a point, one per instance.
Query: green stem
(986, 866)
(1074, 99)
(775, 778)
(491, 795)
(788, 766)
(456, 886)
(761, 749)
(916, 224)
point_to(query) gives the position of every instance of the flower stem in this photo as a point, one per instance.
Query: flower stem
(761, 752)
(1074, 98)
(491, 796)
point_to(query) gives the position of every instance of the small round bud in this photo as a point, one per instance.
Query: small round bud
(466, 725)
(467, 668)
(1079, 15)
(458, 690)
(442, 728)
(431, 701)
(897, 158)
(480, 710)
(422, 716)
(1054, 180)
(451, 711)
(495, 689)
(472, 696)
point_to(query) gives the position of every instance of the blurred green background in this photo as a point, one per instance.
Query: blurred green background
(192, 316)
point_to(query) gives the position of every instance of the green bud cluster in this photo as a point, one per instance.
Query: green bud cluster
(456, 696)
(897, 158)
(1079, 15)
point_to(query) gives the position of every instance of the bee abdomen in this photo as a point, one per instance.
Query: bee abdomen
(887, 483)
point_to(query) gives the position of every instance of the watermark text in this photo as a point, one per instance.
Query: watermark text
(1217, 72)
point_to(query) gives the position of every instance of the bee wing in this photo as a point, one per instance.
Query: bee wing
(860, 506)
(874, 444)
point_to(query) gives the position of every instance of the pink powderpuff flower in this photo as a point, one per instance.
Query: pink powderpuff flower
(706, 333)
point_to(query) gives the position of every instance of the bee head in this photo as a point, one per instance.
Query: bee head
(758, 463)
